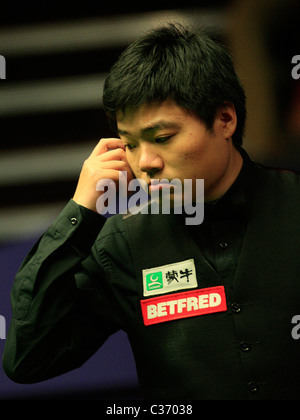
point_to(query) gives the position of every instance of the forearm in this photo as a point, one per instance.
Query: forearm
(47, 330)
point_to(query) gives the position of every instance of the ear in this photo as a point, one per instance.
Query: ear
(227, 119)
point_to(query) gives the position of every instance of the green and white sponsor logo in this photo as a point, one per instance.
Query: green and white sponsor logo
(154, 281)
(169, 278)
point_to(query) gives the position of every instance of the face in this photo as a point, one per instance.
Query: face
(166, 141)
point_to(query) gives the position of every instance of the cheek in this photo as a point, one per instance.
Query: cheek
(204, 158)
(131, 161)
(194, 153)
(196, 145)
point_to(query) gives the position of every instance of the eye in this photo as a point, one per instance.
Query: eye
(129, 146)
(162, 139)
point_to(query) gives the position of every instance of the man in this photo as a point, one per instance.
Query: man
(207, 308)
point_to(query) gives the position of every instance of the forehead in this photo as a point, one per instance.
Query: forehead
(151, 117)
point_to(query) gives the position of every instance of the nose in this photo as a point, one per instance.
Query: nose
(149, 160)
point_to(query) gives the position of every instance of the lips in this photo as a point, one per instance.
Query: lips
(156, 185)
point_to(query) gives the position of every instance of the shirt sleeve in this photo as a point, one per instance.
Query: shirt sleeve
(56, 324)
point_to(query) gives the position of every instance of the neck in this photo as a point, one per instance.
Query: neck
(235, 163)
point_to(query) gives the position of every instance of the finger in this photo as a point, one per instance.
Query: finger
(118, 165)
(110, 174)
(114, 157)
(115, 154)
(104, 145)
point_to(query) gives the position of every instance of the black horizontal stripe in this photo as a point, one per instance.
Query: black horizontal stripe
(32, 11)
(36, 193)
(51, 66)
(59, 128)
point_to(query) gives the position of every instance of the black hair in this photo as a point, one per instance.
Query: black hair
(171, 62)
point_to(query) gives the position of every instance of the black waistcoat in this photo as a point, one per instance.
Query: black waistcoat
(247, 351)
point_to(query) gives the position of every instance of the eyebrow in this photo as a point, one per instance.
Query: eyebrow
(153, 127)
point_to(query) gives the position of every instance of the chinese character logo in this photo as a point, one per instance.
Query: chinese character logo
(169, 278)
(186, 273)
(171, 275)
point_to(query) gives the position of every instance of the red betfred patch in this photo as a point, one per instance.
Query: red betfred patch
(183, 305)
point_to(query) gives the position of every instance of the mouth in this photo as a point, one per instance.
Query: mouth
(165, 189)
(158, 185)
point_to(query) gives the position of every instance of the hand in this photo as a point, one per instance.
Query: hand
(105, 162)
